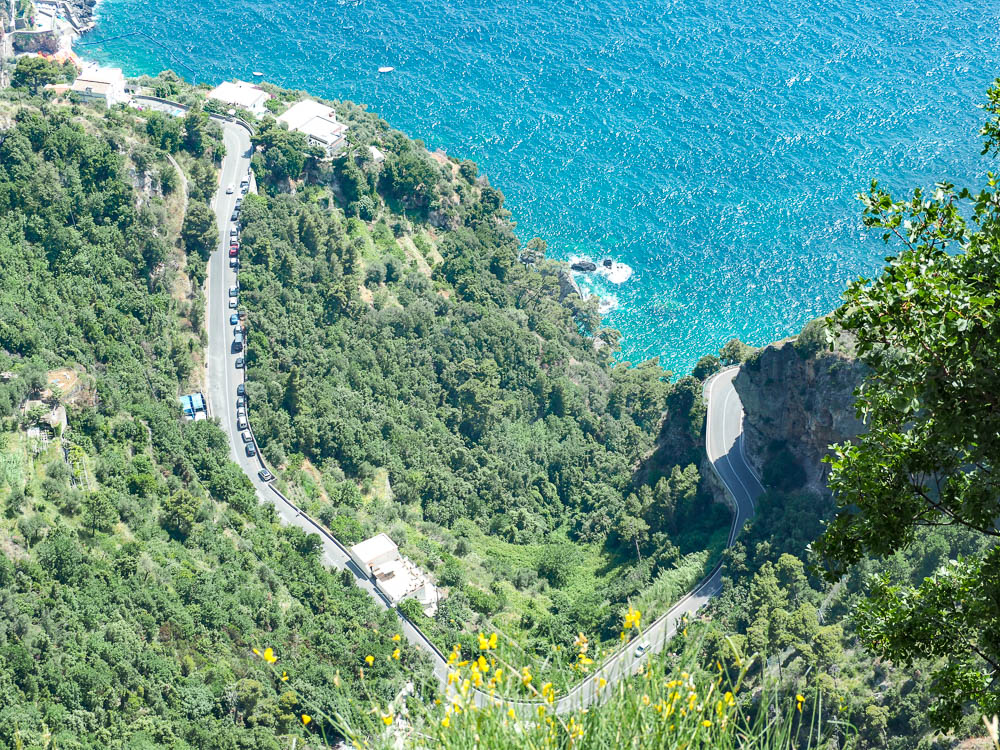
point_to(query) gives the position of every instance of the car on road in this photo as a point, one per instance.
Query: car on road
(265, 475)
(229, 190)
(241, 389)
(251, 451)
(239, 202)
(641, 649)
(235, 216)
(234, 319)
(247, 437)
(233, 232)
(234, 262)
(234, 250)
(241, 423)
(232, 303)
(241, 401)
(233, 291)
(239, 363)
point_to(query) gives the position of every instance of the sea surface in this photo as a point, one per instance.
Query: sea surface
(715, 147)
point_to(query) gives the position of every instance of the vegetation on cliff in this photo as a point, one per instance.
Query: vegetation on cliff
(414, 369)
(137, 572)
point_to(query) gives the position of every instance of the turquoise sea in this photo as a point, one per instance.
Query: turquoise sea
(714, 146)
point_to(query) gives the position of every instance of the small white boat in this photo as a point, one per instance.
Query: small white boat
(386, 69)
(258, 74)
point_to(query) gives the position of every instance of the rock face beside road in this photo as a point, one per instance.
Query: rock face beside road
(798, 399)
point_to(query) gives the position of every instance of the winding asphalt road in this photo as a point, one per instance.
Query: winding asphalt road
(723, 445)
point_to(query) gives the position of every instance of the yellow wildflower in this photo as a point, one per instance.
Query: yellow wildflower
(306, 718)
(396, 637)
(387, 719)
(370, 659)
(269, 656)
(493, 640)
(510, 712)
(395, 654)
(799, 700)
(284, 676)
(601, 682)
(446, 721)
(632, 618)
(706, 723)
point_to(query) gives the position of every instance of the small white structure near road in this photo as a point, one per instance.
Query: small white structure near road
(377, 156)
(395, 576)
(241, 94)
(105, 85)
(318, 122)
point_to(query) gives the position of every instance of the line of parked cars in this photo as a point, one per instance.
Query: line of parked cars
(236, 320)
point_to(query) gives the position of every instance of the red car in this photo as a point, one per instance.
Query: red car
(233, 251)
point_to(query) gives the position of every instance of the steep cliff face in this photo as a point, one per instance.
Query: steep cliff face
(798, 399)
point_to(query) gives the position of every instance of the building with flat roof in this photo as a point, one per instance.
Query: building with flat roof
(193, 406)
(241, 94)
(318, 122)
(397, 577)
(105, 85)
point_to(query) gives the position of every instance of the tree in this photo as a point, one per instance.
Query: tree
(99, 512)
(34, 73)
(164, 131)
(200, 233)
(734, 352)
(179, 512)
(195, 126)
(929, 329)
(706, 366)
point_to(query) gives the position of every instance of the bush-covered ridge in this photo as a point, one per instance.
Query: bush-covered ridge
(416, 370)
(138, 571)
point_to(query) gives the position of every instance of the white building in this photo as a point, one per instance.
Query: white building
(377, 156)
(241, 94)
(101, 84)
(395, 576)
(318, 122)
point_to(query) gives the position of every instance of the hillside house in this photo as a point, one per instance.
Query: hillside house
(318, 123)
(395, 576)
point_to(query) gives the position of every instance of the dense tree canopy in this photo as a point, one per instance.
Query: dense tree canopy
(137, 570)
(930, 331)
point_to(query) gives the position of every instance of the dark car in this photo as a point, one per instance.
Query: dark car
(239, 363)
(265, 475)
(251, 451)
(241, 389)
(235, 216)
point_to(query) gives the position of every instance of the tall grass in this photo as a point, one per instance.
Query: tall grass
(671, 703)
